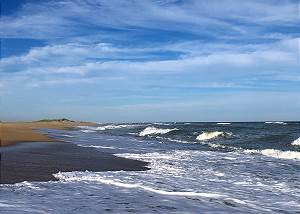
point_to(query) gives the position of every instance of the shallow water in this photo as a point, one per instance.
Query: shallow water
(231, 168)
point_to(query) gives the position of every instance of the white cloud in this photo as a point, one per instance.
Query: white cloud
(141, 57)
(285, 51)
(222, 18)
(70, 63)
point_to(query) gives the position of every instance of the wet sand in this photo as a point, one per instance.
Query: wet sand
(38, 161)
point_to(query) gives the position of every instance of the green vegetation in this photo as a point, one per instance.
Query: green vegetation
(55, 120)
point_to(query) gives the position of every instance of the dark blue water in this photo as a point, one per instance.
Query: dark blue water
(195, 168)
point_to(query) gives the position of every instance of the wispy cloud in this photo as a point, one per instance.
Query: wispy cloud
(105, 60)
(214, 19)
(132, 53)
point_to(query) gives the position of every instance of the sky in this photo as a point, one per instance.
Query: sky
(150, 60)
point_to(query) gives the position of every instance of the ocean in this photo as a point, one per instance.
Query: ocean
(193, 168)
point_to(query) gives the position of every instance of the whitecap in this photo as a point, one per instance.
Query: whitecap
(25, 185)
(107, 127)
(296, 142)
(154, 131)
(219, 174)
(164, 124)
(102, 128)
(147, 156)
(97, 147)
(209, 135)
(86, 127)
(292, 155)
(8, 205)
(223, 123)
(66, 135)
(276, 122)
(87, 131)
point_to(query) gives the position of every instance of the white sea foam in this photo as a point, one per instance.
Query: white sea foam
(296, 142)
(102, 128)
(86, 127)
(216, 145)
(88, 131)
(172, 140)
(107, 127)
(276, 122)
(219, 174)
(164, 124)
(223, 123)
(154, 131)
(97, 147)
(66, 135)
(7, 205)
(209, 135)
(153, 156)
(77, 176)
(25, 185)
(292, 155)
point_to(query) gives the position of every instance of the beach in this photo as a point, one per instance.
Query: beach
(29, 155)
(194, 167)
(14, 132)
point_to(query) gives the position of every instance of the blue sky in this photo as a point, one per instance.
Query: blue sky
(150, 60)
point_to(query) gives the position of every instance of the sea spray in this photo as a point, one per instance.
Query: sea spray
(292, 155)
(154, 131)
(276, 122)
(209, 135)
(296, 142)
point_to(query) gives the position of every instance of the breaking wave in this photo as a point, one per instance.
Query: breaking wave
(88, 131)
(154, 131)
(276, 122)
(223, 123)
(97, 147)
(66, 135)
(163, 124)
(292, 155)
(87, 127)
(107, 127)
(210, 135)
(102, 128)
(296, 142)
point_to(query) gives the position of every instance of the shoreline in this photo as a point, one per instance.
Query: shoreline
(15, 132)
(27, 155)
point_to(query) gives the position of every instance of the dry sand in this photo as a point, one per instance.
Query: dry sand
(11, 133)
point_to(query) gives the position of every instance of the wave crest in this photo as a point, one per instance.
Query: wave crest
(106, 127)
(292, 155)
(210, 135)
(102, 128)
(154, 131)
(276, 122)
(296, 142)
